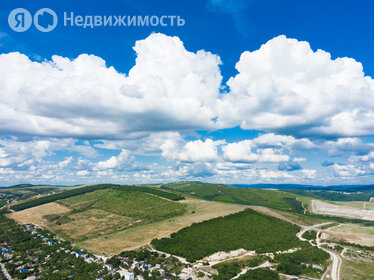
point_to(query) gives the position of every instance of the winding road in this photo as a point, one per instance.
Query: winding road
(336, 260)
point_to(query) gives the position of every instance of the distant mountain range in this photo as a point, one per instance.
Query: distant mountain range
(341, 188)
(345, 188)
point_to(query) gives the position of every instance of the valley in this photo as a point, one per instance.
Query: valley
(223, 232)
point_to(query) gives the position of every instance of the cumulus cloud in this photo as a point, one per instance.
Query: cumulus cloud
(287, 87)
(347, 146)
(191, 151)
(301, 100)
(123, 159)
(284, 87)
(169, 88)
(20, 154)
(347, 170)
(270, 174)
(265, 148)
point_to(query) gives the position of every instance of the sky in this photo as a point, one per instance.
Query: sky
(238, 92)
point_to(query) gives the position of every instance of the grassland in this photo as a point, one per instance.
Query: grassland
(196, 211)
(114, 219)
(354, 233)
(136, 205)
(261, 197)
(357, 270)
(248, 229)
(363, 195)
(36, 215)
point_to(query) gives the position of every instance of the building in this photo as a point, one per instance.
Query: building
(162, 272)
(125, 273)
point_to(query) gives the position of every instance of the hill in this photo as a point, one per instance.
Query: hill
(247, 196)
(363, 195)
(248, 229)
(88, 189)
(115, 218)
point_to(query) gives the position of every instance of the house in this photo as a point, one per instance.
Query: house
(162, 272)
(126, 274)
(90, 260)
(77, 255)
(109, 266)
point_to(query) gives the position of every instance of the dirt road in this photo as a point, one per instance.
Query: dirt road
(5, 272)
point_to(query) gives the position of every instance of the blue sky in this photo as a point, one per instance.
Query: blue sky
(243, 92)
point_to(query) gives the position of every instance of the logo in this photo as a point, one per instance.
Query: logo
(45, 20)
(20, 20)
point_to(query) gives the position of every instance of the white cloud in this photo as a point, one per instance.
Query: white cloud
(242, 151)
(192, 151)
(239, 151)
(348, 170)
(287, 87)
(169, 88)
(347, 146)
(368, 157)
(65, 163)
(123, 159)
(283, 87)
(271, 155)
(270, 174)
(309, 173)
(83, 173)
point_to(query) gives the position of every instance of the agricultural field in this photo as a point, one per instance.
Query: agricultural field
(232, 232)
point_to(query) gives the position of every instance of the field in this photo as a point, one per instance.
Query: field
(357, 270)
(136, 205)
(36, 215)
(196, 211)
(362, 195)
(112, 220)
(261, 197)
(354, 233)
(321, 207)
(248, 229)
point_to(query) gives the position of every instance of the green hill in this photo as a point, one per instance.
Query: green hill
(217, 192)
(247, 229)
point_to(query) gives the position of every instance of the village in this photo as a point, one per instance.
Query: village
(35, 253)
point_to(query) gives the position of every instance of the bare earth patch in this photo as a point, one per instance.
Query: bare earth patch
(341, 210)
(36, 215)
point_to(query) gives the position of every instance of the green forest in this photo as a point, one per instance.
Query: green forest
(270, 198)
(247, 229)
